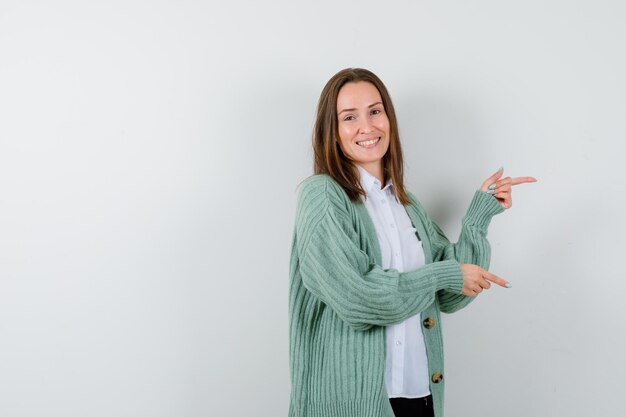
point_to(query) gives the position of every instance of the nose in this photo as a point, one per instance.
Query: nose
(365, 126)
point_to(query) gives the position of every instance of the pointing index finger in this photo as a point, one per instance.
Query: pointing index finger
(522, 180)
(496, 279)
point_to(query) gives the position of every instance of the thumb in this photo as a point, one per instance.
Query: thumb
(492, 179)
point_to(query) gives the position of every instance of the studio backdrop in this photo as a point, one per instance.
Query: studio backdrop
(150, 154)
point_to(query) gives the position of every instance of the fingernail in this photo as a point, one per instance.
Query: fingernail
(500, 169)
(489, 191)
(492, 186)
(508, 285)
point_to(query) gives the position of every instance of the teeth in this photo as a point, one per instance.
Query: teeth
(368, 142)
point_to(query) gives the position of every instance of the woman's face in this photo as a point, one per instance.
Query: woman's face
(363, 124)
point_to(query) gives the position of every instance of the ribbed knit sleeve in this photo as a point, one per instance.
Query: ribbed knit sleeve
(471, 248)
(337, 271)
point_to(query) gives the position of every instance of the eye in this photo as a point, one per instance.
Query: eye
(376, 111)
(348, 118)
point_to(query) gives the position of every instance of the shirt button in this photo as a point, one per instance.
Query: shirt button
(398, 343)
(382, 200)
(397, 254)
(392, 225)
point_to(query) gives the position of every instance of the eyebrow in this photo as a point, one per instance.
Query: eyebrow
(370, 106)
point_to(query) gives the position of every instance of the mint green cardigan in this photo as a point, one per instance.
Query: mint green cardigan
(341, 300)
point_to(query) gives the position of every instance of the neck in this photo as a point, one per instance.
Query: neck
(376, 169)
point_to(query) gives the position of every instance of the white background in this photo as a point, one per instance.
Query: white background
(149, 157)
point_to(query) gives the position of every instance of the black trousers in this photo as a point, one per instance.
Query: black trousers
(412, 407)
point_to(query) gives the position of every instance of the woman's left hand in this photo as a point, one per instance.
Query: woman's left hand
(501, 188)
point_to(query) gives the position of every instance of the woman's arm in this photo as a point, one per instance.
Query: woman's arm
(338, 272)
(471, 248)
(493, 197)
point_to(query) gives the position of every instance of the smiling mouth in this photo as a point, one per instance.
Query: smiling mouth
(368, 143)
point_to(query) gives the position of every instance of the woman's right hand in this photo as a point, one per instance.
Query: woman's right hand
(476, 279)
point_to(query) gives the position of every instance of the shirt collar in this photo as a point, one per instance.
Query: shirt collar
(368, 181)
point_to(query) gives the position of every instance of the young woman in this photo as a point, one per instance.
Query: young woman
(370, 272)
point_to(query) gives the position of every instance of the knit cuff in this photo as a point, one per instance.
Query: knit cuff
(449, 276)
(482, 208)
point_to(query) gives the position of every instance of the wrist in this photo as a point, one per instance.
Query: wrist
(481, 209)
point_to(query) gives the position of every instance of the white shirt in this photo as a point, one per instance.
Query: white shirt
(406, 368)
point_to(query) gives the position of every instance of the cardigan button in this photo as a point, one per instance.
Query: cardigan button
(429, 323)
(437, 377)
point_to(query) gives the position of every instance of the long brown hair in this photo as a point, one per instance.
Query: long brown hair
(330, 159)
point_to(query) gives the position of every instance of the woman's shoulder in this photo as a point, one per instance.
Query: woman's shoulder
(414, 201)
(321, 187)
(320, 196)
